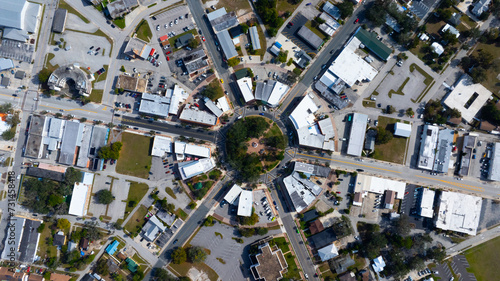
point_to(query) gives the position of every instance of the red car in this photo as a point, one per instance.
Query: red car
(356, 21)
(338, 192)
(197, 105)
(104, 168)
(203, 38)
(168, 52)
(168, 58)
(290, 23)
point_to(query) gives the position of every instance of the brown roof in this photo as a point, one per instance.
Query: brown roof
(487, 126)
(35, 277)
(389, 197)
(365, 275)
(270, 264)
(132, 84)
(59, 277)
(316, 227)
(6, 274)
(348, 276)
(84, 243)
(121, 256)
(455, 120)
(357, 197)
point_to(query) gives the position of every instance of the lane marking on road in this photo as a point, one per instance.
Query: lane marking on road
(347, 162)
(10, 96)
(105, 108)
(461, 185)
(67, 109)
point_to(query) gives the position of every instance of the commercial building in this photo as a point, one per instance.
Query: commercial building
(302, 191)
(254, 38)
(19, 19)
(161, 146)
(223, 104)
(46, 174)
(459, 212)
(152, 228)
(227, 44)
(269, 264)
(193, 114)
(119, 8)
(467, 97)
(402, 130)
(330, 25)
(72, 131)
(310, 37)
(426, 209)
(378, 264)
(332, 10)
(5, 82)
(6, 64)
(371, 42)
(270, 92)
(312, 133)
(221, 20)
(494, 171)
(389, 199)
(468, 145)
(183, 150)
(59, 21)
(80, 198)
(301, 59)
(82, 81)
(365, 184)
(245, 203)
(435, 149)
(245, 86)
(138, 49)
(357, 134)
(328, 252)
(190, 169)
(26, 239)
(163, 106)
(233, 194)
(213, 107)
(183, 40)
(132, 84)
(446, 139)
(195, 61)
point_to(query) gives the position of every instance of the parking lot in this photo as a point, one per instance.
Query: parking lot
(442, 271)
(17, 51)
(459, 265)
(101, 182)
(116, 209)
(81, 53)
(162, 168)
(223, 247)
(479, 162)
(263, 206)
(291, 33)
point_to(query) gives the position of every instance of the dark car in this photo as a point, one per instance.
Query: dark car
(14, 95)
(175, 241)
(360, 170)
(97, 50)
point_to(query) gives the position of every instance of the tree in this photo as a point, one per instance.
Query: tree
(251, 220)
(244, 28)
(179, 255)
(383, 136)
(213, 91)
(43, 75)
(478, 74)
(83, 120)
(390, 109)
(63, 224)
(282, 56)
(485, 58)
(101, 267)
(9, 134)
(104, 196)
(163, 275)
(122, 69)
(346, 9)
(449, 37)
(437, 254)
(192, 43)
(110, 152)
(196, 254)
(491, 113)
(233, 62)
(376, 14)
(271, 32)
(6, 107)
(445, 14)
(409, 112)
(402, 225)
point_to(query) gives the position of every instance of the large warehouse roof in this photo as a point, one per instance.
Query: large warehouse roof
(310, 37)
(254, 37)
(357, 134)
(227, 44)
(459, 212)
(79, 200)
(11, 13)
(371, 42)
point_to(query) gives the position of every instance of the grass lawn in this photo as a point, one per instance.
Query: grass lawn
(293, 270)
(393, 151)
(139, 259)
(282, 244)
(183, 268)
(285, 6)
(120, 22)
(181, 214)
(137, 219)
(468, 21)
(96, 96)
(309, 24)
(49, 66)
(103, 76)
(491, 82)
(262, 39)
(220, 92)
(135, 157)
(144, 31)
(64, 5)
(172, 40)
(484, 260)
(136, 193)
(369, 103)
(43, 247)
(170, 192)
(273, 131)
(234, 5)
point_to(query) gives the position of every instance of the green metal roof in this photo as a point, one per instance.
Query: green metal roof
(241, 73)
(131, 265)
(369, 39)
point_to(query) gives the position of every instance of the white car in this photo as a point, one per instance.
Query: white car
(158, 27)
(176, 21)
(166, 25)
(170, 24)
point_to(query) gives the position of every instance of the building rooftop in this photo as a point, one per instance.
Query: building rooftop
(328, 252)
(332, 10)
(152, 227)
(227, 44)
(245, 203)
(480, 7)
(161, 146)
(302, 191)
(270, 265)
(46, 174)
(427, 203)
(137, 48)
(212, 107)
(468, 144)
(233, 194)
(224, 22)
(324, 238)
(494, 171)
(311, 170)
(310, 37)
(217, 13)
(120, 7)
(59, 78)
(193, 168)
(254, 37)
(446, 138)
(72, 133)
(330, 25)
(378, 264)
(402, 130)
(59, 21)
(155, 104)
(428, 143)
(245, 86)
(316, 227)
(6, 64)
(365, 183)
(459, 212)
(81, 196)
(467, 97)
(341, 264)
(26, 240)
(369, 39)
(183, 40)
(302, 59)
(357, 134)
(192, 114)
(131, 84)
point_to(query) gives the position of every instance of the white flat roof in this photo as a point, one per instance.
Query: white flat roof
(300, 191)
(494, 172)
(197, 150)
(459, 212)
(194, 168)
(328, 252)
(357, 134)
(223, 104)
(428, 143)
(365, 183)
(350, 67)
(303, 114)
(245, 85)
(245, 203)
(467, 97)
(233, 193)
(279, 90)
(79, 200)
(427, 203)
(161, 145)
(402, 129)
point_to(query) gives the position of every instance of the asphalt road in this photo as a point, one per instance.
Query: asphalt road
(171, 129)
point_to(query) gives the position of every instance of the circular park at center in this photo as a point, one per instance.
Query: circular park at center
(254, 145)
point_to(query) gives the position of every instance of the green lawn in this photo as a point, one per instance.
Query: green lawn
(120, 22)
(64, 5)
(491, 82)
(484, 260)
(144, 31)
(234, 5)
(369, 103)
(137, 219)
(181, 214)
(285, 6)
(220, 92)
(96, 96)
(262, 39)
(282, 244)
(43, 247)
(273, 131)
(393, 151)
(313, 27)
(170, 192)
(103, 76)
(183, 268)
(135, 157)
(293, 270)
(136, 193)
